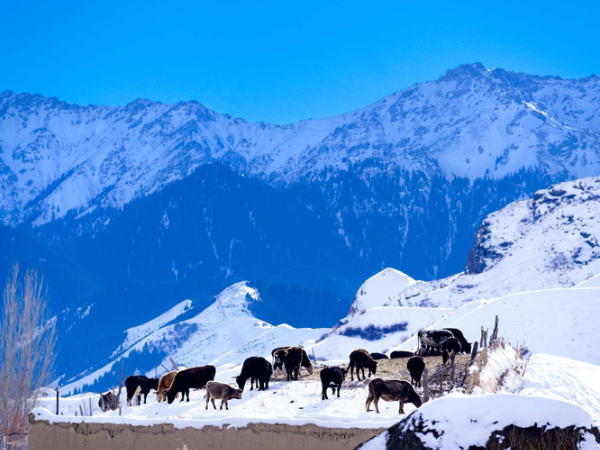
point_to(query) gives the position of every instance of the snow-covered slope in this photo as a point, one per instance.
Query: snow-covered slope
(471, 122)
(562, 322)
(550, 241)
(564, 379)
(224, 334)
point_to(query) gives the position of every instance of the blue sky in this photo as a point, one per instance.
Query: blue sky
(280, 61)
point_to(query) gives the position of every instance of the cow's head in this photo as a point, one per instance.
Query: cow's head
(170, 396)
(373, 366)
(241, 381)
(344, 373)
(237, 393)
(414, 398)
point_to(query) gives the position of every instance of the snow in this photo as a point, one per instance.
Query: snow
(295, 403)
(558, 321)
(564, 379)
(387, 288)
(463, 421)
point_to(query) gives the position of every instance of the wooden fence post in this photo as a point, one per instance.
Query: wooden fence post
(90, 399)
(452, 375)
(81, 410)
(173, 363)
(441, 378)
(57, 399)
(495, 332)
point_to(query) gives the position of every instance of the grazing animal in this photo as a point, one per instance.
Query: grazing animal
(137, 385)
(450, 349)
(392, 391)
(401, 354)
(432, 339)
(164, 384)
(460, 337)
(359, 359)
(278, 363)
(291, 358)
(194, 378)
(108, 401)
(416, 366)
(259, 370)
(378, 356)
(332, 377)
(221, 391)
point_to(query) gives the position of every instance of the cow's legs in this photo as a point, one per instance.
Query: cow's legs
(352, 371)
(207, 399)
(370, 399)
(339, 386)
(376, 402)
(145, 397)
(401, 410)
(363, 372)
(213, 403)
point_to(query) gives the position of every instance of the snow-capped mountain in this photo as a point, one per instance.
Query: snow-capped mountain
(224, 335)
(472, 122)
(549, 241)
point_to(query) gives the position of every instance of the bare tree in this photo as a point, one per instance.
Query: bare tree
(27, 351)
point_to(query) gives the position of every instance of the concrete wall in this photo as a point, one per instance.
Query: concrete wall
(91, 436)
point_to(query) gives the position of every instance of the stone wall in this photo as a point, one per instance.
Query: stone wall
(105, 436)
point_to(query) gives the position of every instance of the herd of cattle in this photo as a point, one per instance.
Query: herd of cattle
(449, 342)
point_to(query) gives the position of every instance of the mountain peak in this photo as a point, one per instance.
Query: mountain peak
(464, 71)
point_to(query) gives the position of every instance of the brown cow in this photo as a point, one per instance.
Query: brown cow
(163, 384)
(359, 359)
(221, 391)
(392, 391)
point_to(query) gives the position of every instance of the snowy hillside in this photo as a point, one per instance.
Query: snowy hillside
(224, 335)
(550, 241)
(562, 322)
(472, 122)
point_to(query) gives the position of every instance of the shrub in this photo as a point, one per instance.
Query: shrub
(372, 332)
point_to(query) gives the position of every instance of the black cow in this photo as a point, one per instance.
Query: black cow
(464, 345)
(431, 340)
(416, 366)
(450, 349)
(292, 358)
(259, 370)
(137, 385)
(378, 356)
(278, 363)
(359, 359)
(332, 377)
(194, 378)
(401, 354)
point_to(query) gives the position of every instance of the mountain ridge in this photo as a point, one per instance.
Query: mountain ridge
(471, 122)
